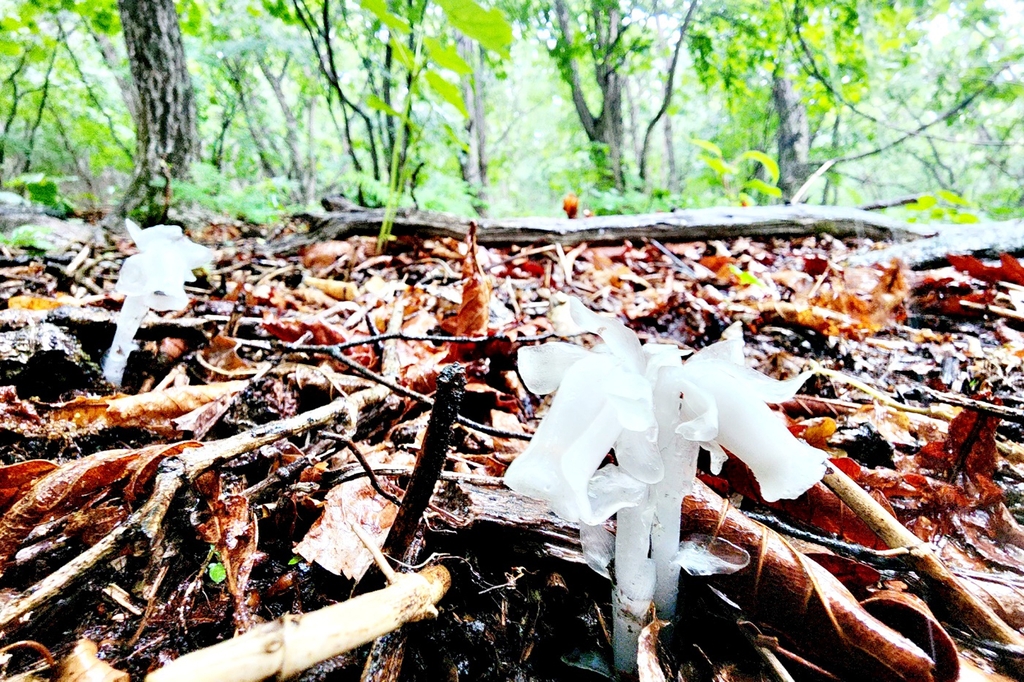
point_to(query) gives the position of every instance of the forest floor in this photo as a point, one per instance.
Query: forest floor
(916, 392)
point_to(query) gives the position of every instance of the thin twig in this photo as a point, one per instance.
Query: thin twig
(963, 605)
(354, 449)
(335, 353)
(173, 474)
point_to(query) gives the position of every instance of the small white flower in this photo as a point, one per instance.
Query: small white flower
(603, 402)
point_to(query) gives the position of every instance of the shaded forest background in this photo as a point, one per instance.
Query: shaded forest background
(504, 109)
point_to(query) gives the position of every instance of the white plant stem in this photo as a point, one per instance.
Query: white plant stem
(133, 311)
(634, 582)
(680, 469)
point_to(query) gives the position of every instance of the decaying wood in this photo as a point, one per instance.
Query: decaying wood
(83, 321)
(683, 225)
(174, 473)
(451, 387)
(291, 644)
(963, 604)
(987, 240)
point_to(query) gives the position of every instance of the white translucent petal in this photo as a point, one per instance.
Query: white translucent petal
(727, 350)
(764, 387)
(134, 231)
(543, 367)
(193, 256)
(660, 356)
(621, 340)
(570, 443)
(157, 236)
(637, 453)
(608, 491)
(134, 276)
(699, 413)
(598, 547)
(630, 393)
(783, 466)
(703, 555)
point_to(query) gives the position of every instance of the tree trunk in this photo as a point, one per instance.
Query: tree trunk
(671, 176)
(610, 127)
(165, 117)
(474, 161)
(605, 128)
(794, 137)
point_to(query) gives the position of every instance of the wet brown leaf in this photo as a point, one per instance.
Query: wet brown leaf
(16, 479)
(474, 311)
(232, 530)
(795, 598)
(153, 410)
(1008, 270)
(332, 543)
(75, 485)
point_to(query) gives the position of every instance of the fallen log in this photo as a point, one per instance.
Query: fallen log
(984, 240)
(683, 225)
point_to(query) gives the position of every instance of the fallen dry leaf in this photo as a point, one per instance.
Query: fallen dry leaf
(84, 665)
(232, 530)
(332, 543)
(153, 410)
(474, 312)
(649, 667)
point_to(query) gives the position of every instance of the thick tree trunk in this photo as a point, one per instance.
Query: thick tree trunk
(165, 116)
(794, 137)
(605, 128)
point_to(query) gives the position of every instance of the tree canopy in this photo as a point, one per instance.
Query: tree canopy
(503, 108)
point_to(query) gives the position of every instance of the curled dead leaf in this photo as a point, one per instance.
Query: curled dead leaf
(84, 665)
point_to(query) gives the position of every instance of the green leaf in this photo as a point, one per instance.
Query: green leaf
(488, 27)
(746, 277)
(380, 10)
(402, 54)
(43, 192)
(294, 560)
(952, 198)
(765, 160)
(447, 57)
(718, 165)
(448, 92)
(964, 218)
(217, 572)
(763, 187)
(923, 203)
(377, 103)
(707, 146)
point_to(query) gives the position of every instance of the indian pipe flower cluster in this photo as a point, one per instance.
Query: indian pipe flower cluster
(153, 279)
(655, 412)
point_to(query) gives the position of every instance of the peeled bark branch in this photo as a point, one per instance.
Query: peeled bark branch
(703, 223)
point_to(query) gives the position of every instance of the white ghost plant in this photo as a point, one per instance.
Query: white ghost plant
(655, 412)
(153, 279)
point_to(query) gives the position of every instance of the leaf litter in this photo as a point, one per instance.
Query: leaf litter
(820, 596)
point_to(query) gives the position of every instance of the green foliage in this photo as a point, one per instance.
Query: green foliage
(276, 134)
(29, 237)
(258, 202)
(44, 190)
(727, 172)
(943, 206)
(216, 572)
